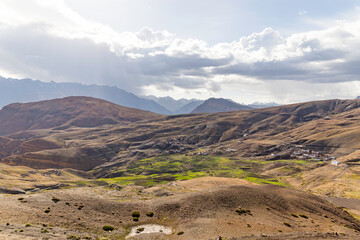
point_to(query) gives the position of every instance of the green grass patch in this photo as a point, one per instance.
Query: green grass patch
(166, 168)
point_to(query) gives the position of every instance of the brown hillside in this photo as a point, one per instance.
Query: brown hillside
(65, 112)
(268, 212)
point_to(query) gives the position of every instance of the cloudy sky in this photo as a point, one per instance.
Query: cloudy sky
(248, 50)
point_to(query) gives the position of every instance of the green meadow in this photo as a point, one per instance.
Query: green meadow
(166, 168)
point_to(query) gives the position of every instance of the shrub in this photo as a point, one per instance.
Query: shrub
(47, 210)
(150, 214)
(303, 216)
(180, 233)
(55, 200)
(139, 230)
(294, 215)
(20, 198)
(73, 237)
(135, 214)
(108, 228)
(242, 211)
(135, 219)
(287, 224)
(27, 225)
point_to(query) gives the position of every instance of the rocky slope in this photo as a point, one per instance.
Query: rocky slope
(198, 209)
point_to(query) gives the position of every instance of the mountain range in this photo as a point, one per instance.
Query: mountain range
(27, 90)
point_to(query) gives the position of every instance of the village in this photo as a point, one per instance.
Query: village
(303, 153)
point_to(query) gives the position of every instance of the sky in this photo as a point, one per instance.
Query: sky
(281, 51)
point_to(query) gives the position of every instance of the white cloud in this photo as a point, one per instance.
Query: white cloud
(47, 40)
(302, 12)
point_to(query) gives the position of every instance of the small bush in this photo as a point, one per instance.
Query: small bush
(55, 200)
(108, 228)
(135, 214)
(242, 211)
(20, 198)
(303, 216)
(21, 230)
(135, 219)
(44, 231)
(139, 230)
(248, 225)
(294, 215)
(47, 210)
(73, 237)
(150, 214)
(180, 233)
(27, 225)
(287, 224)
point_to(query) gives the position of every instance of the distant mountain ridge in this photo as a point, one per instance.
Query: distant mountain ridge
(27, 90)
(263, 105)
(214, 105)
(188, 108)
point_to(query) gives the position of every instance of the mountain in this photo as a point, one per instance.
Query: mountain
(358, 97)
(263, 105)
(65, 112)
(281, 128)
(214, 105)
(170, 103)
(188, 108)
(27, 90)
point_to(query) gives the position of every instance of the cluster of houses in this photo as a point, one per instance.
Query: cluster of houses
(315, 155)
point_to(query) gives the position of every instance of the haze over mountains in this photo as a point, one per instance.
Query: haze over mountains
(27, 90)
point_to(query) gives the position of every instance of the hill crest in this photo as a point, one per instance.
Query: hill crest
(215, 105)
(65, 112)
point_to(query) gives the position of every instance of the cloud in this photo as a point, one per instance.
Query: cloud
(302, 12)
(47, 40)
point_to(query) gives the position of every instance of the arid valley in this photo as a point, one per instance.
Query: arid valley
(85, 168)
